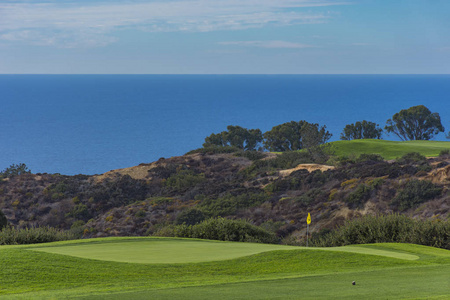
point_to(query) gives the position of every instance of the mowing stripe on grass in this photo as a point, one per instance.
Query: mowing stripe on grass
(372, 251)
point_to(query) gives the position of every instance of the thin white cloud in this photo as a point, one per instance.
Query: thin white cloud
(361, 44)
(267, 44)
(57, 23)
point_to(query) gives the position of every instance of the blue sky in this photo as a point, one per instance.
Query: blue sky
(225, 37)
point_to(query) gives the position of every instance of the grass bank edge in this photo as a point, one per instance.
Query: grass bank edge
(394, 250)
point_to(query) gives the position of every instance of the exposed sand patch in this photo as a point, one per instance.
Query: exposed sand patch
(439, 176)
(137, 172)
(309, 167)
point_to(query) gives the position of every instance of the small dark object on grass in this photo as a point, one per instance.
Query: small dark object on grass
(354, 282)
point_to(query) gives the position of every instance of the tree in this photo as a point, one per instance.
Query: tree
(415, 123)
(295, 136)
(14, 170)
(361, 130)
(236, 136)
(3, 220)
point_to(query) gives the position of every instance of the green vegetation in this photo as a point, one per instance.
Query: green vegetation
(235, 136)
(415, 123)
(3, 220)
(222, 230)
(161, 269)
(387, 149)
(14, 170)
(361, 130)
(359, 196)
(183, 180)
(385, 229)
(229, 204)
(295, 136)
(415, 192)
(12, 236)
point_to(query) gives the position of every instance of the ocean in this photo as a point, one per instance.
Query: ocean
(90, 124)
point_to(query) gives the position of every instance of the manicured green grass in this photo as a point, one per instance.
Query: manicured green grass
(388, 149)
(387, 270)
(385, 284)
(162, 250)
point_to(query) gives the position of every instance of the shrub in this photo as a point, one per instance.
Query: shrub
(393, 228)
(221, 229)
(14, 170)
(415, 192)
(251, 155)
(310, 196)
(229, 204)
(444, 152)
(359, 196)
(412, 157)
(190, 217)
(369, 157)
(213, 149)
(3, 220)
(35, 235)
(184, 180)
(79, 211)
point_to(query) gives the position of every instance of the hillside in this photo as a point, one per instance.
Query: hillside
(273, 191)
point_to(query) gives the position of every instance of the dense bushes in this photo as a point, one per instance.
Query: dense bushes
(220, 229)
(230, 204)
(417, 159)
(3, 220)
(359, 196)
(183, 180)
(12, 236)
(385, 229)
(415, 192)
(190, 217)
(214, 149)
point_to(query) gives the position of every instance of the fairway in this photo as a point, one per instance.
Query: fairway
(388, 149)
(371, 285)
(172, 268)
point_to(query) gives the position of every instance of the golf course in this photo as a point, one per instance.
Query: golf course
(388, 149)
(174, 268)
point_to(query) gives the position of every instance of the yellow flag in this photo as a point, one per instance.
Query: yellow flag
(308, 220)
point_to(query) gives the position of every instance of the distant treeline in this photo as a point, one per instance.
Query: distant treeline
(414, 123)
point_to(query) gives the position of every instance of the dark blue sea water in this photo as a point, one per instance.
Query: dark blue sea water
(90, 124)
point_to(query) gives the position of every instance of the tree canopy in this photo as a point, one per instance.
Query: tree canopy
(361, 130)
(415, 123)
(14, 170)
(236, 136)
(295, 136)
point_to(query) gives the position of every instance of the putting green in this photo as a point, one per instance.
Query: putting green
(168, 250)
(156, 250)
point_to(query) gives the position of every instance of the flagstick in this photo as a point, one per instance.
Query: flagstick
(307, 230)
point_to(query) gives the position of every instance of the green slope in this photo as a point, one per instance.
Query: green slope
(31, 271)
(388, 149)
